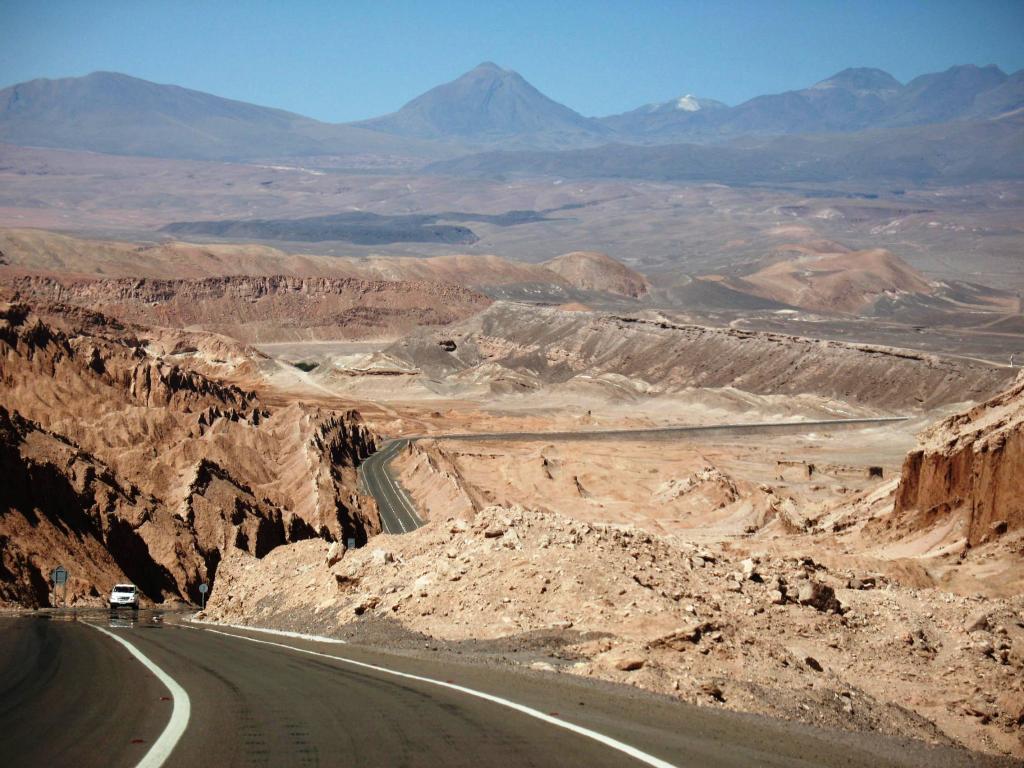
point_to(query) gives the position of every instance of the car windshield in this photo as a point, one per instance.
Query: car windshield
(124, 589)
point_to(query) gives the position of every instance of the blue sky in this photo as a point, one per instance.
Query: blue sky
(341, 61)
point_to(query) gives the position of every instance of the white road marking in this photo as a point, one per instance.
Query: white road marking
(163, 746)
(608, 741)
(401, 502)
(398, 517)
(279, 632)
(398, 492)
(383, 493)
(402, 499)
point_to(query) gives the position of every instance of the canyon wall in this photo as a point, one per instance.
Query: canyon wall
(970, 466)
(124, 461)
(259, 308)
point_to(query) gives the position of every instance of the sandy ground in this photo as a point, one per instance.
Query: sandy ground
(709, 487)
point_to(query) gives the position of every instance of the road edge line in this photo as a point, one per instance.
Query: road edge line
(180, 713)
(402, 499)
(608, 741)
(267, 630)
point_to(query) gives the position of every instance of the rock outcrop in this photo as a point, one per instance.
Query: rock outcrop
(266, 308)
(651, 355)
(60, 505)
(123, 458)
(969, 469)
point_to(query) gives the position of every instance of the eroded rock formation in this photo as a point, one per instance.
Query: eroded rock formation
(122, 460)
(652, 355)
(266, 307)
(969, 467)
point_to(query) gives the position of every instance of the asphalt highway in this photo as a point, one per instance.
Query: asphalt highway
(95, 690)
(398, 514)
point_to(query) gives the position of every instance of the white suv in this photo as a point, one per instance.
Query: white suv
(124, 596)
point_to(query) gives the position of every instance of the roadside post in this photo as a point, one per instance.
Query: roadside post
(59, 577)
(203, 589)
(351, 543)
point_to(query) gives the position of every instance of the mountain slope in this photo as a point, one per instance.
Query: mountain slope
(664, 119)
(1005, 97)
(117, 114)
(955, 151)
(832, 279)
(942, 96)
(852, 100)
(489, 104)
(599, 272)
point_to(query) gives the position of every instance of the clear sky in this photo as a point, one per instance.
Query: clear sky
(340, 61)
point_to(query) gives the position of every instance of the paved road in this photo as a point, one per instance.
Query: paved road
(398, 514)
(71, 695)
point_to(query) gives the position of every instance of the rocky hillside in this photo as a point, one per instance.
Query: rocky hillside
(599, 273)
(968, 474)
(124, 458)
(267, 308)
(780, 635)
(646, 354)
(578, 275)
(829, 278)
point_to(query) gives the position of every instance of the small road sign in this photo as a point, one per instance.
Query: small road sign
(203, 589)
(60, 579)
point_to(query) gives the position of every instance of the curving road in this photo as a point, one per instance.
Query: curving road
(398, 513)
(88, 692)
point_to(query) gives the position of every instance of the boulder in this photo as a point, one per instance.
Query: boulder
(868, 582)
(819, 596)
(686, 635)
(713, 690)
(366, 603)
(334, 553)
(749, 568)
(629, 663)
(978, 622)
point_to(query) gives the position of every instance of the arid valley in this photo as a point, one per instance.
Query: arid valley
(719, 443)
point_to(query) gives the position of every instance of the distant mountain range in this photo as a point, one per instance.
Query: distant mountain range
(116, 114)
(852, 100)
(491, 108)
(956, 152)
